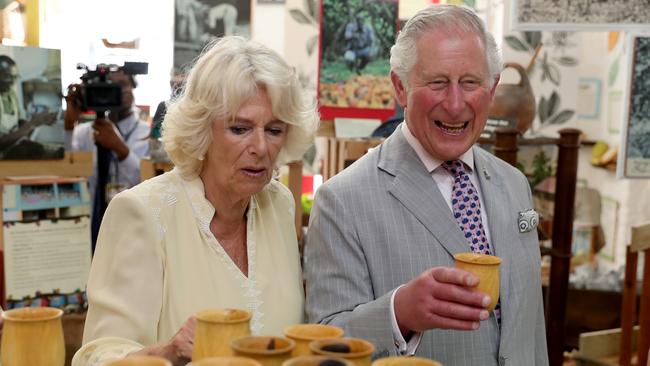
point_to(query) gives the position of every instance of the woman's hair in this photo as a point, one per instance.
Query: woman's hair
(228, 72)
(447, 18)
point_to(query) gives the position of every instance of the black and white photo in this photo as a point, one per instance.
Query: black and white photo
(197, 22)
(580, 14)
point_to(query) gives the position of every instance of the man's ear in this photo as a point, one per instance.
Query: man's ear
(400, 90)
(494, 86)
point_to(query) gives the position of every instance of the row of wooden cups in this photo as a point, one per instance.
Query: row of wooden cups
(226, 333)
(295, 361)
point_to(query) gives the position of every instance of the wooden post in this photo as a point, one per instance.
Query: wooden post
(628, 307)
(505, 144)
(644, 316)
(565, 191)
(641, 242)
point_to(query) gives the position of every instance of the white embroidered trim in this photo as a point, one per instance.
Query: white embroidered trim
(203, 212)
(154, 200)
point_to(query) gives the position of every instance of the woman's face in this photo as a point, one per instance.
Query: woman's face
(242, 155)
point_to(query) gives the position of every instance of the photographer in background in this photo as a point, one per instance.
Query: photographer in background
(118, 143)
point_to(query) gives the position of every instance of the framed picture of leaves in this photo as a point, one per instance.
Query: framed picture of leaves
(634, 157)
(570, 15)
(354, 68)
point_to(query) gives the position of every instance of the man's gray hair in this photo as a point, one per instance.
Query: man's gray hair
(403, 55)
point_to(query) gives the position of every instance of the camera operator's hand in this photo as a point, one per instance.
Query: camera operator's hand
(178, 350)
(72, 110)
(106, 135)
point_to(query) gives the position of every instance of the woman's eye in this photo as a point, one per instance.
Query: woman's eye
(275, 131)
(238, 130)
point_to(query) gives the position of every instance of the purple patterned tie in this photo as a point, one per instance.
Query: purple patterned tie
(466, 207)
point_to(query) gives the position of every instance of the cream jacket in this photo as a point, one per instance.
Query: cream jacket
(157, 263)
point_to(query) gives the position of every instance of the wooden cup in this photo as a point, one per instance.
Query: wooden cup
(227, 361)
(317, 361)
(33, 337)
(267, 350)
(303, 334)
(216, 328)
(140, 361)
(486, 268)
(405, 361)
(360, 349)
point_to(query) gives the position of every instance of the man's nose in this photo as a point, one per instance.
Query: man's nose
(454, 101)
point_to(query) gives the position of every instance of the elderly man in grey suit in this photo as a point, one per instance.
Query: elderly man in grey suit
(379, 250)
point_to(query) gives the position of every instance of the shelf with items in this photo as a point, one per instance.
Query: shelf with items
(44, 198)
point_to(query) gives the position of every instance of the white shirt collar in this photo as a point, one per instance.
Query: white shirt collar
(429, 161)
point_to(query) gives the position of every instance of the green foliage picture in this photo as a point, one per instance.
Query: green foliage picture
(356, 36)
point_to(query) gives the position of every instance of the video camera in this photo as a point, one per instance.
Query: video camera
(97, 92)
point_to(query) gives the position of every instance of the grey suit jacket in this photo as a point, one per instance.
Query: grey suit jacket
(382, 221)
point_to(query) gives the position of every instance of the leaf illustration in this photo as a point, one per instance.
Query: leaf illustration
(554, 74)
(613, 72)
(312, 9)
(311, 44)
(516, 43)
(299, 16)
(542, 111)
(545, 71)
(553, 103)
(567, 61)
(532, 39)
(562, 117)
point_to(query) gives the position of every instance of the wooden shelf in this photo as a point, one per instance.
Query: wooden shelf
(73, 164)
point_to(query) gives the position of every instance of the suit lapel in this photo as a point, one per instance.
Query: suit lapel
(414, 188)
(500, 221)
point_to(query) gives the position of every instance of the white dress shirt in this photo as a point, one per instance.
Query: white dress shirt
(445, 182)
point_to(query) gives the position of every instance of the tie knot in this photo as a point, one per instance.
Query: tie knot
(454, 167)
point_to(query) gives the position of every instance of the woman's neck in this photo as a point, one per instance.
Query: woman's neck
(230, 210)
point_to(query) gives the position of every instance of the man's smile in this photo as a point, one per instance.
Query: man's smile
(452, 128)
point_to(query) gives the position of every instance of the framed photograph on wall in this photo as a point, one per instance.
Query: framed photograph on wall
(589, 95)
(197, 22)
(571, 15)
(354, 67)
(31, 122)
(634, 157)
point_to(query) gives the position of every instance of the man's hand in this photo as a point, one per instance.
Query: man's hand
(107, 136)
(440, 297)
(178, 350)
(72, 110)
(43, 118)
